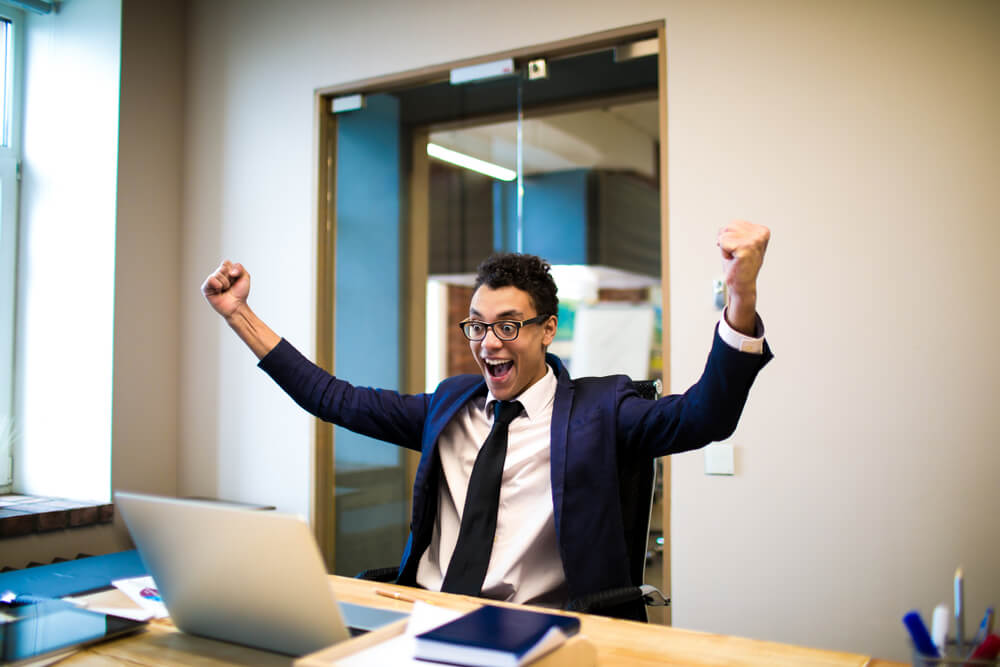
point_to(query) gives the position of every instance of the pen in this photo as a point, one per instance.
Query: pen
(988, 650)
(985, 628)
(959, 611)
(939, 626)
(394, 595)
(918, 633)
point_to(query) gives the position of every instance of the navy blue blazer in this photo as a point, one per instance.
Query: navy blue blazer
(594, 421)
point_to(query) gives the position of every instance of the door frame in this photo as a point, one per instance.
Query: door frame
(415, 241)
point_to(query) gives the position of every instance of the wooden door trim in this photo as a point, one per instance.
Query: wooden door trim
(414, 288)
(433, 73)
(665, 289)
(322, 509)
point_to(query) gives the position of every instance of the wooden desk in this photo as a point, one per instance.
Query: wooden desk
(624, 643)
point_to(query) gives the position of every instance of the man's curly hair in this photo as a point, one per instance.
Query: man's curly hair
(528, 273)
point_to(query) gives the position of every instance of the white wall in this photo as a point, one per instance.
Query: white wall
(66, 251)
(147, 261)
(45, 547)
(862, 133)
(866, 135)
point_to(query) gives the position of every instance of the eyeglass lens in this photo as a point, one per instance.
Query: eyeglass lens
(502, 330)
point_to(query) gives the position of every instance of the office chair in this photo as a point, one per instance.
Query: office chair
(636, 484)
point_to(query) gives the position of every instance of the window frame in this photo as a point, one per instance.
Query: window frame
(10, 162)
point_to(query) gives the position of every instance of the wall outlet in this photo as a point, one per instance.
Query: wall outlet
(719, 459)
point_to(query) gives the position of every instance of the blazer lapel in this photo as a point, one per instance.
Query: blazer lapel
(446, 401)
(558, 433)
(444, 405)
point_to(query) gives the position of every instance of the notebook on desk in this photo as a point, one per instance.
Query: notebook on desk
(244, 576)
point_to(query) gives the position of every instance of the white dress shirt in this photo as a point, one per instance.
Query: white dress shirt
(525, 565)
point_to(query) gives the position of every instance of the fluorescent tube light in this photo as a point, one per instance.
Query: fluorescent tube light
(469, 162)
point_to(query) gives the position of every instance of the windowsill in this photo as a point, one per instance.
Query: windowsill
(27, 515)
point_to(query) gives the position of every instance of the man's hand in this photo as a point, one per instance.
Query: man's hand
(743, 245)
(227, 288)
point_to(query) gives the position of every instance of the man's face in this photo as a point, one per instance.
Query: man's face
(510, 366)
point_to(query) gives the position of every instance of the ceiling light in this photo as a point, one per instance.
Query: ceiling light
(469, 162)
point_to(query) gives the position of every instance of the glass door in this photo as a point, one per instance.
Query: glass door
(370, 487)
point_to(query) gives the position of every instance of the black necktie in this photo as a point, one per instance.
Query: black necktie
(467, 568)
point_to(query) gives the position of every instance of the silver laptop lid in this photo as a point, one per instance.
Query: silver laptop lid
(245, 576)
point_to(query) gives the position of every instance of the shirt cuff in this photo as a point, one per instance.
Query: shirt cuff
(741, 342)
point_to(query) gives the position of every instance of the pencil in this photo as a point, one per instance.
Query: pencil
(393, 595)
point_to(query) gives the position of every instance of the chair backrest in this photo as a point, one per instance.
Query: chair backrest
(636, 483)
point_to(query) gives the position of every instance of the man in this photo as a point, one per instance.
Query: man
(516, 495)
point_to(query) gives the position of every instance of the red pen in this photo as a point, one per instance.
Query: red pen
(988, 650)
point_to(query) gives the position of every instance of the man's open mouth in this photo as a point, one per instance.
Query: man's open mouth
(498, 368)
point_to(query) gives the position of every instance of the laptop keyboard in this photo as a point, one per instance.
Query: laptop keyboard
(360, 619)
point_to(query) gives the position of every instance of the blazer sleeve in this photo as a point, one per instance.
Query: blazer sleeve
(706, 412)
(378, 413)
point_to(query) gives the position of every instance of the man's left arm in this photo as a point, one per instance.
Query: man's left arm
(710, 409)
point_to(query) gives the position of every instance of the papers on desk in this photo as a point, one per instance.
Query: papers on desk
(130, 612)
(143, 592)
(135, 599)
(400, 649)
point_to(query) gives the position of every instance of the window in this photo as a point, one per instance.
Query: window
(10, 22)
(7, 52)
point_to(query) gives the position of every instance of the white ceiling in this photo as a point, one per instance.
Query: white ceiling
(618, 137)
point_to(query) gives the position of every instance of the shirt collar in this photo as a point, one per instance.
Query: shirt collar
(534, 399)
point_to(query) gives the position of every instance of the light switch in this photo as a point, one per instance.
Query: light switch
(719, 459)
(719, 293)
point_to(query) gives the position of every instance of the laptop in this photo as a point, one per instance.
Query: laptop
(245, 576)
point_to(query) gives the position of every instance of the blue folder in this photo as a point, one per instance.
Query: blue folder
(73, 577)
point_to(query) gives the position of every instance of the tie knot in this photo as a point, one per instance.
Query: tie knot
(505, 411)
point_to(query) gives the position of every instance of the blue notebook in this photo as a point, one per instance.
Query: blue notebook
(496, 637)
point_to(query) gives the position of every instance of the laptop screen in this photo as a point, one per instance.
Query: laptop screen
(250, 577)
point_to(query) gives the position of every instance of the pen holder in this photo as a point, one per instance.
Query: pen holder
(952, 656)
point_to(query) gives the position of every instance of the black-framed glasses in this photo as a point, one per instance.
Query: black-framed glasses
(506, 330)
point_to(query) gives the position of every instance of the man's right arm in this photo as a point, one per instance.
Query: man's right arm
(384, 415)
(226, 290)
